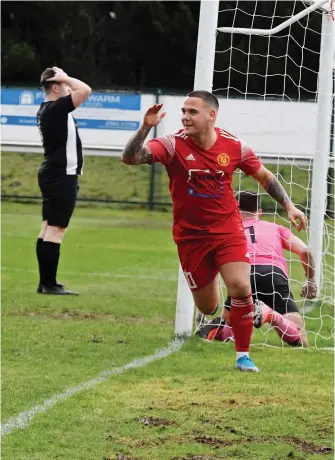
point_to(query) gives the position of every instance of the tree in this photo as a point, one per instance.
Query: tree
(148, 44)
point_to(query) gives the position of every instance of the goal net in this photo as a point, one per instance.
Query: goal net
(270, 85)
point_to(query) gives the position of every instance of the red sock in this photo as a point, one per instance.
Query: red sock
(285, 328)
(242, 321)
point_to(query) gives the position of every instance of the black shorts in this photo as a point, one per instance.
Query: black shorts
(270, 285)
(59, 195)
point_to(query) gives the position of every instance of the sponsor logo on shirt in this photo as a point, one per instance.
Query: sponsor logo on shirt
(205, 183)
(223, 159)
(190, 157)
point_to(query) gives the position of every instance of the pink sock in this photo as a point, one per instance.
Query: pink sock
(221, 333)
(225, 333)
(285, 328)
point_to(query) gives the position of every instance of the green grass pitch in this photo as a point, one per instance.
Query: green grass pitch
(192, 405)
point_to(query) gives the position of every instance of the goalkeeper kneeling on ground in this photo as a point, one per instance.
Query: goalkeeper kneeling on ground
(274, 303)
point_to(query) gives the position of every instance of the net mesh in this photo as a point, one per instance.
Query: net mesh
(276, 78)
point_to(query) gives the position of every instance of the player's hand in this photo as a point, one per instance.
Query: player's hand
(60, 76)
(297, 218)
(309, 290)
(152, 116)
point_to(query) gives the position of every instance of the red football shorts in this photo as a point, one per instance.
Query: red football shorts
(201, 258)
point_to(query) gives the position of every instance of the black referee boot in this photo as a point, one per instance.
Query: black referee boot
(56, 290)
(40, 285)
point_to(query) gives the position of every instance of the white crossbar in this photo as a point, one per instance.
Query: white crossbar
(246, 31)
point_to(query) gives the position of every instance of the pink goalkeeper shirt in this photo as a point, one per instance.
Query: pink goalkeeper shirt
(266, 242)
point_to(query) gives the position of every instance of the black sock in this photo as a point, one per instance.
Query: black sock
(39, 254)
(50, 262)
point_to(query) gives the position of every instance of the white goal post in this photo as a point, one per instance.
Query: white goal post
(204, 71)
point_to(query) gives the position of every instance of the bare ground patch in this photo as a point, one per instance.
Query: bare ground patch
(308, 446)
(195, 457)
(121, 457)
(155, 421)
(213, 441)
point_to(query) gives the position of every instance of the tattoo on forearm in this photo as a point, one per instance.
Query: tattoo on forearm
(276, 190)
(134, 152)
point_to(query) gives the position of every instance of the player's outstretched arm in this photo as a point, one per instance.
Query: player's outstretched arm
(295, 245)
(135, 152)
(274, 188)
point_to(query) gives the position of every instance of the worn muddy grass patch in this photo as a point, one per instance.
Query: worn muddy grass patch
(308, 447)
(155, 421)
(195, 457)
(121, 457)
(301, 445)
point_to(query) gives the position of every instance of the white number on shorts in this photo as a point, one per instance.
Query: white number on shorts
(190, 280)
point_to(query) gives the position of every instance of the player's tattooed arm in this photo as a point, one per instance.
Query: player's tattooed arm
(135, 153)
(276, 190)
(273, 187)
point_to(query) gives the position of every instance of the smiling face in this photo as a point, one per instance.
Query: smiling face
(198, 117)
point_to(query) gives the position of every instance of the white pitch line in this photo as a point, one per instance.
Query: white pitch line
(22, 420)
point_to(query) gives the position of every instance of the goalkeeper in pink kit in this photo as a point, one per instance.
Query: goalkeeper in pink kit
(200, 160)
(269, 275)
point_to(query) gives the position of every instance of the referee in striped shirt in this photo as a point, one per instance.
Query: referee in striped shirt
(57, 176)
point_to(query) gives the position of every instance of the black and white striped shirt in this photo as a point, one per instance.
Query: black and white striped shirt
(61, 142)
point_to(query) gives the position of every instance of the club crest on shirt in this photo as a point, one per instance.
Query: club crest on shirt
(223, 159)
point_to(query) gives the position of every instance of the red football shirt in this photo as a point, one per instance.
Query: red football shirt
(201, 182)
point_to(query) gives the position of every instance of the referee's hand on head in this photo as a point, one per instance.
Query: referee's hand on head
(59, 76)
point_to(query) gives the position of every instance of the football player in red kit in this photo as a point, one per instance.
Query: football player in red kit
(200, 160)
